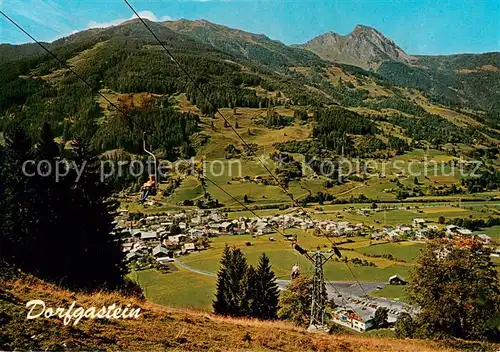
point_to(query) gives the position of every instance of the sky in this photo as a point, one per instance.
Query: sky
(425, 27)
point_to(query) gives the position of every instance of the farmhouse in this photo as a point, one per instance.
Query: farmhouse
(160, 252)
(195, 233)
(132, 256)
(484, 238)
(176, 239)
(464, 232)
(451, 229)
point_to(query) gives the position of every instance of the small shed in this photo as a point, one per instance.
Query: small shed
(397, 280)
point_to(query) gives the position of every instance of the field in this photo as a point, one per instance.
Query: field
(283, 256)
(180, 289)
(399, 250)
(391, 292)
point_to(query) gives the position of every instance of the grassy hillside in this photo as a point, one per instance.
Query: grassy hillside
(160, 328)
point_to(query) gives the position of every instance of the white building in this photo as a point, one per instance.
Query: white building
(352, 319)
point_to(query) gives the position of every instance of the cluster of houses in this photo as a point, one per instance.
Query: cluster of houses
(418, 230)
(421, 230)
(178, 231)
(160, 238)
(453, 231)
(169, 235)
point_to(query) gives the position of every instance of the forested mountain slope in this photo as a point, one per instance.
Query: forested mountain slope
(240, 43)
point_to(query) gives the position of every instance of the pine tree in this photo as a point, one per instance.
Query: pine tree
(237, 285)
(49, 205)
(220, 305)
(250, 293)
(94, 258)
(232, 283)
(264, 304)
(17, 221)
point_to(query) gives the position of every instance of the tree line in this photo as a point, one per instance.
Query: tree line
(57, 228)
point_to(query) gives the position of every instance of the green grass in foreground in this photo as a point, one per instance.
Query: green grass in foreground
(180, 289)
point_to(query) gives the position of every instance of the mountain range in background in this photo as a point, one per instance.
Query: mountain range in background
(471, 80)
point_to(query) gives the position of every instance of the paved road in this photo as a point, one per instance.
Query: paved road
(182, 265)
(349, 286)
(333, 287)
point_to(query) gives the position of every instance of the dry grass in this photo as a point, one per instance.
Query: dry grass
(457, 118)
(161, 328)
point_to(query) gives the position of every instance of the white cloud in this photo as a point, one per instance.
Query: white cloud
(148, 15)
(45, 13)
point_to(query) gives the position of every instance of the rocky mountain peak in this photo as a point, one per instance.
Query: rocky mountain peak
(364, 46)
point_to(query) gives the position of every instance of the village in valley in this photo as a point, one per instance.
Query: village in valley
(162, 239)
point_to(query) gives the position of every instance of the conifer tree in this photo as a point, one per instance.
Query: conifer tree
(238, 283)
(51, 190)
(96, 259)
(15, 203)
(250, 292)
(220, 304)
(264, 304)
(57, 229)
(232, 283)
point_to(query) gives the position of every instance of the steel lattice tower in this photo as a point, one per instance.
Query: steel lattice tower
(318, 301)
(319, 295)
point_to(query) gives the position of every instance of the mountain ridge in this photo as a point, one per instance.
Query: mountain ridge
(249, 45)
(364, 46)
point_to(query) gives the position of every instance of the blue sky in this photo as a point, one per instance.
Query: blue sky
(419, 27)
